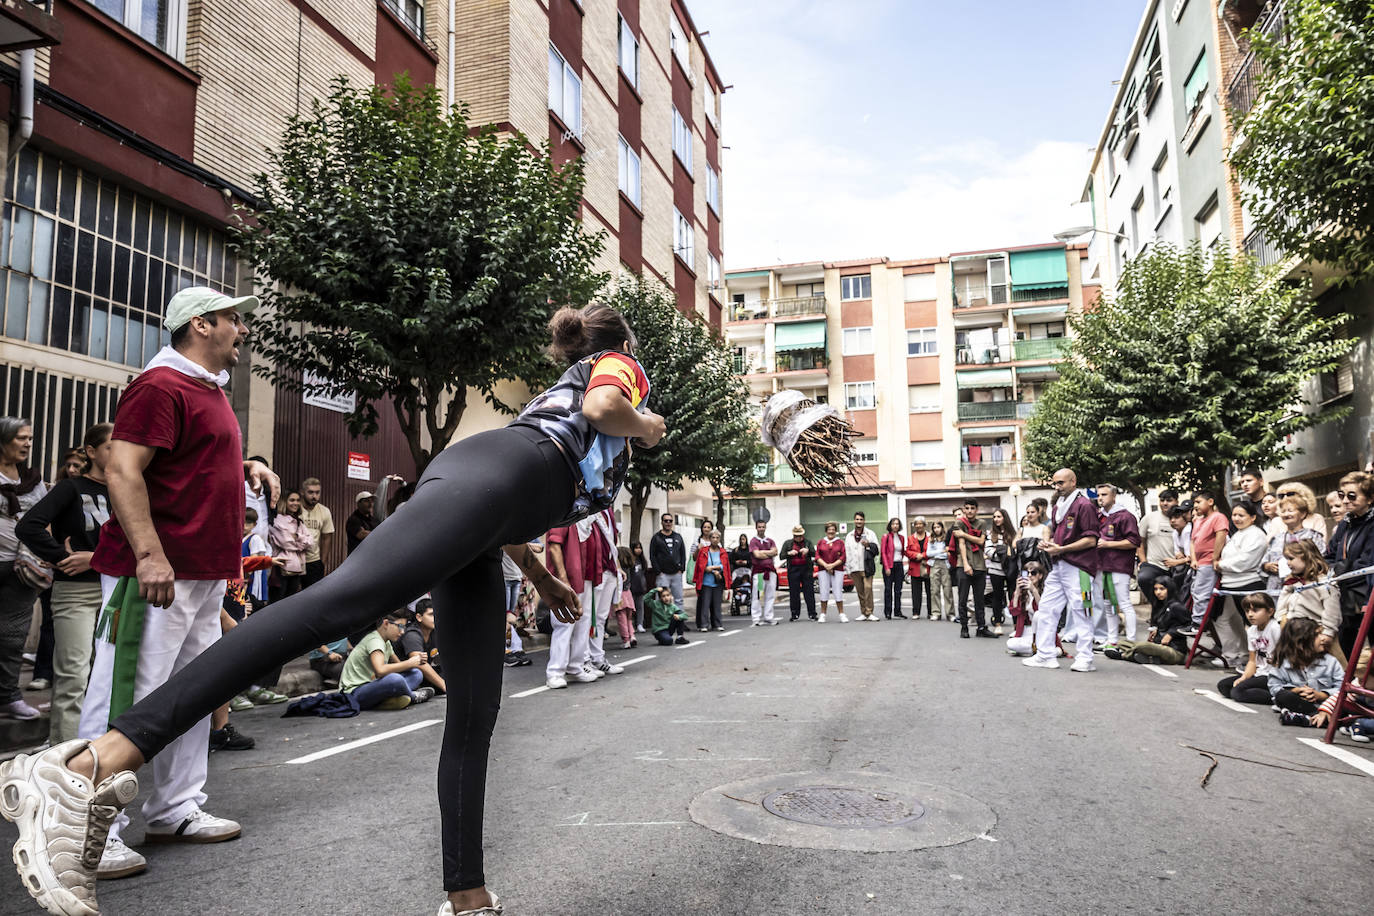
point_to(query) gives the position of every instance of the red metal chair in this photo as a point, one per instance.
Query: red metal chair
(1206, 628)
(1354, 701)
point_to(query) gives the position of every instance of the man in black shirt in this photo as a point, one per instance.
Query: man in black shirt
(668, 555)
(361, 522)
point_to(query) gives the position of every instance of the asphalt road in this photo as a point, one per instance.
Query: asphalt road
(1097, 806)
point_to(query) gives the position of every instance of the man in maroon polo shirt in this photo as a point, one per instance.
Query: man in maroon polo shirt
(1071, 545)
(1118, 540)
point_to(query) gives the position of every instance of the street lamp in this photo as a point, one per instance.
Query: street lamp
(1068, 235)
(1015, 492)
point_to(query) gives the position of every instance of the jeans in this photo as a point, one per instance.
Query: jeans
(395, 684)
(977, 582)
(503, 486)
(16, 615)
(708, 606)
(1204, 583)
(892, 589)
(639, 610)
(674, 583)
(665, 637)
(919, 585)
(512, 594)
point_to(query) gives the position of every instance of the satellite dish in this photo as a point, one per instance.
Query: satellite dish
(761, 514)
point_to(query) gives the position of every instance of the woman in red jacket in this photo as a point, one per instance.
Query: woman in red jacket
(709, 579)
(917, 551)
(893, 554)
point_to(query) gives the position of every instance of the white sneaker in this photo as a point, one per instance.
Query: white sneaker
(843, 619)
(1036, 661)
(63, 821)
(584, 676)
(1083, 664)
(606, 667)
(1020, 645)
(640, 629)
(494, 910)
(820, 618)
(556, 682)
(119, 861)
(196, 827)
(597, 672)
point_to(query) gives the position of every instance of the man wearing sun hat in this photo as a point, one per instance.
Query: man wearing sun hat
(176, 476)
(800, 556)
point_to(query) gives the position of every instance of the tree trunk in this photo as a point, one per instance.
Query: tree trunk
(639, 498)
(411, 404)
(718, 488)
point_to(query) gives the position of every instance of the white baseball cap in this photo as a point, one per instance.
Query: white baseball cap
(201, 300)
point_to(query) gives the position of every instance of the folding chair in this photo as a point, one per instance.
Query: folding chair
(1354, 701)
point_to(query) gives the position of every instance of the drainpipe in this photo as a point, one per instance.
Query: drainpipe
(24, 129)
(452, 20)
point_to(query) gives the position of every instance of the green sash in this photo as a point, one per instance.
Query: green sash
(121, 623)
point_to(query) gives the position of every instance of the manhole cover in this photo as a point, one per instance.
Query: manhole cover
(832, 806)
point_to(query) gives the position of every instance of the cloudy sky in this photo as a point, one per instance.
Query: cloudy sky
(908, 128)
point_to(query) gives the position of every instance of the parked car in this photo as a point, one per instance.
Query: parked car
(815, 571)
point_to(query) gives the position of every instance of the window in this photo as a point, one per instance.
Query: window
(918, 287)
(682, 140)
(860, 395)
(739, 513)
(921, 342)
(927, 455)
(411, 12)
(677, 37)
(565, 92)
(1339, 383)
(88, 265)
(813, 290)
(856, 341)
(628, 53)
(1045, 330)
(856, 287)
(923, 398)
(1159, 184)
(1208, 223)
(713, 190)
(1195, 86)
(712, 106)
(683, 241)
(1136, 242)
(713, 270)
(163, 22)
(629, 172)
(866, 451)
(1119, 242)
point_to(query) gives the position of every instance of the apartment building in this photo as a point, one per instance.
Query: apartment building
(938, 362)
(150, 118)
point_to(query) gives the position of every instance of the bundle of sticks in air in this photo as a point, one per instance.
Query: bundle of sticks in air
(814, 438)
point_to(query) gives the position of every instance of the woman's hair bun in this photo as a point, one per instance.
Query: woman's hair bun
(569, 335)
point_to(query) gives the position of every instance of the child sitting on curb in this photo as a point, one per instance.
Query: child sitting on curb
(668, 620)
(1305, 678)
(376, 677)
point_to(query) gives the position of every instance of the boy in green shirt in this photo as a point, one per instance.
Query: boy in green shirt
(376, 677)
(666, 619)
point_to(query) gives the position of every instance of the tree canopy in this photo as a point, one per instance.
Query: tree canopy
(404, 255)
(1306, 163)
(1196, 363)
(711, 435)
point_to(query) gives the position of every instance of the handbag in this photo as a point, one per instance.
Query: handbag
(31, 570)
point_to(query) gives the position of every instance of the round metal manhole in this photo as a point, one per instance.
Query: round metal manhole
(834, 806)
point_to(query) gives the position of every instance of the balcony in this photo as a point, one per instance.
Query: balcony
(1024, 410)
(775, 473)
(789, 307)
(969, 356)
(801, 361)
(1045, 348)
(1244, 88)
(976, 296)
(1259, 247)
(1039, 295)
(987, 410)
(990, 470)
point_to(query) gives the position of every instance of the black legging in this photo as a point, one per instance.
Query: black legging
(892, 589)
(504, 486)
(1251, 690)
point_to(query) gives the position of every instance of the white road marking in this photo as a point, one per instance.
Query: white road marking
(1363, 764)
(635, 661)
(730, 633)
(1229, 704)
(693, 644)
(362, 742)
(708, 721)
(529, 693)
(656, 756)
(1158, 669)
(630, 824)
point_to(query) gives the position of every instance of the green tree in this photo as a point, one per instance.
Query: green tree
(405, 256)
(738, 451)
(704, 404)
(1307, 162)
(1196, 363)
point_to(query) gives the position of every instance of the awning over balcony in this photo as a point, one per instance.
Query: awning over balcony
(1042, 269)
(984, 378)
(800, 335)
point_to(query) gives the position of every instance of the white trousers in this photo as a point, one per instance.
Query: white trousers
(832, 582)
(1065, 588)
(171, 638)
(765, 592)
(607, 596)
(1105, 610)
(568, 645)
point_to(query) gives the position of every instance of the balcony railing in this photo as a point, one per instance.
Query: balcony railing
(775, 473)
(800, 360)
(971, 356)
(1259, 247)
(987, 410)
(1039, 295)
(1046, 348)
(1025, 410)
(412, 13)
(973, 296)
(789, 307)
(1244, 88)
(991, 470)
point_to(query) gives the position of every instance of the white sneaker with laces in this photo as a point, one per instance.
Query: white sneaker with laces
(843, 619)
(557, 682)
(1036, 661)
(119, 861)
(1020, 645)
(584, 676)
(606, 667)
(494, 910)
(196, 827)
(593, 670)
(63, 821)
(1083, 665)
(820, 619)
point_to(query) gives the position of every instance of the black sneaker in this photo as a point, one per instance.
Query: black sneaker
(1141, 659)
(1113, 652)
(963, 632)
(229, 739)
(899, 615)
(681, 641)
(1293, 717)
(522, 659)
(512, 660)
(985, 633)
(423, 694)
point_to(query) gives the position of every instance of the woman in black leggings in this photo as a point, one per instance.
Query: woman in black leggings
(562, 458)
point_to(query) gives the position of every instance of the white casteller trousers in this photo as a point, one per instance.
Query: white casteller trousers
(1065, 586)
(765, 593)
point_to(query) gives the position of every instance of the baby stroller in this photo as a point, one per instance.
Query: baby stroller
(742, 593)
